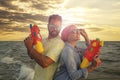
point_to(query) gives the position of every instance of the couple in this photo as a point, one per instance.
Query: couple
(60, 49)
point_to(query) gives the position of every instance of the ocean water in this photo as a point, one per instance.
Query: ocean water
(16, 65)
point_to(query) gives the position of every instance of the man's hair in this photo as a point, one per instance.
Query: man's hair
(55, 17)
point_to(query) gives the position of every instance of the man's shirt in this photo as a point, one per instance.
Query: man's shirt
(52, 49)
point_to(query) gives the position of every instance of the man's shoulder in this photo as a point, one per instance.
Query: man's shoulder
(54, 41)
(58, 40)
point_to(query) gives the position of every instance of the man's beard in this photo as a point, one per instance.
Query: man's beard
(54, 33)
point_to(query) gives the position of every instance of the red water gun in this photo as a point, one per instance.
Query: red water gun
(92, 50)
(37, 38)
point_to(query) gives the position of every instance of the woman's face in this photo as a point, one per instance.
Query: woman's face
(74, 35)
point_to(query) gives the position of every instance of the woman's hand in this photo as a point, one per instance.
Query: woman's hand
(95, 60)
(84, 34)
(94, 63)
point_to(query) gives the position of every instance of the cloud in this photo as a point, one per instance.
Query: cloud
(99, 4)
(94, 29)
(15, 13)
(24, 0)
(97, 12)
(17, 28)
(40, 6)
(13, 17)
(21, 17)
(8, 4)
(43, 5)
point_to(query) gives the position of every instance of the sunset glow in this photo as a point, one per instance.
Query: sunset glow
(97, 18)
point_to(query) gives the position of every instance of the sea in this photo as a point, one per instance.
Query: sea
(15, 64)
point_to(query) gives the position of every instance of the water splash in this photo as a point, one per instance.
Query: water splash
(26, 73)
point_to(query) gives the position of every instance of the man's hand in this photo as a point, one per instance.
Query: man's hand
(29, 44)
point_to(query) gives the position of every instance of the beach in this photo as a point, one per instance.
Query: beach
(15, 64)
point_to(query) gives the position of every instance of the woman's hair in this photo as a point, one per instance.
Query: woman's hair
(66, 31)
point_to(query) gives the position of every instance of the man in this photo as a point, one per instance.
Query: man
(48, 61)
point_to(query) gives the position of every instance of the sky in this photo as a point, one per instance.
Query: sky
(99, 18)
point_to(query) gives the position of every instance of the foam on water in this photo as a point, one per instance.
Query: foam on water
(26, 73)
(7, 60)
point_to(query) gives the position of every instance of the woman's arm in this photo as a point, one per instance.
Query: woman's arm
(84, 34)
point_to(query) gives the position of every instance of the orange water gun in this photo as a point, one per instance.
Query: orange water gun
(92, 50)
(37, 38)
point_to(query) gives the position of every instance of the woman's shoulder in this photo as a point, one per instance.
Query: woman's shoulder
(67, 50)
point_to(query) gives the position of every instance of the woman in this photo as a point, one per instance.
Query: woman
(70, 60)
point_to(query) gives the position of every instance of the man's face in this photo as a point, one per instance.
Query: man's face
(54, 27)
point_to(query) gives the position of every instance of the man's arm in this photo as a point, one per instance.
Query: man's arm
(42, 60)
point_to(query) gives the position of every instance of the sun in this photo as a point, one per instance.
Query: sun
(71, 15)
